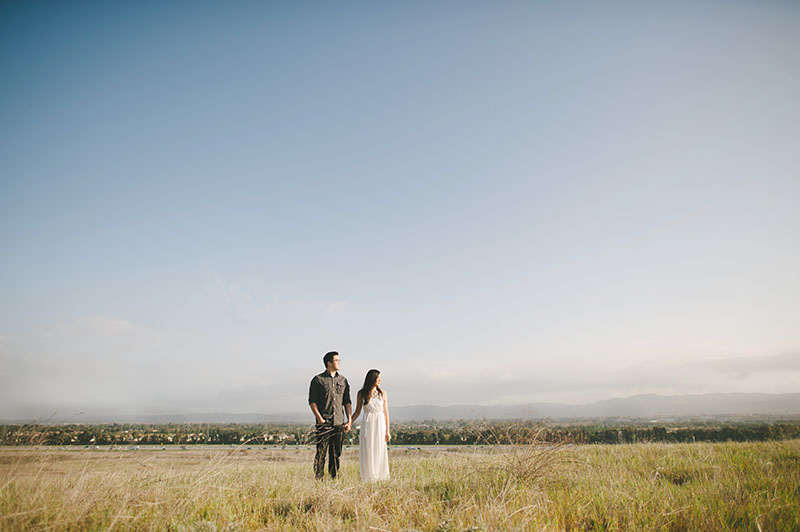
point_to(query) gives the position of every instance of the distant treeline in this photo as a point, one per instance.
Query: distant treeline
(430, 433)
(502, 433)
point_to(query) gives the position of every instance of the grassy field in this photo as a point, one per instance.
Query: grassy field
(665, 487)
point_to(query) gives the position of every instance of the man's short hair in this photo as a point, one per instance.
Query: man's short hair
(328, 358)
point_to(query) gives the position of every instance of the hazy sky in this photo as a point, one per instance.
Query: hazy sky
(491, 202)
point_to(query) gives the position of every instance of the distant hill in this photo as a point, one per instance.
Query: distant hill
(638, 406)
(216, 417)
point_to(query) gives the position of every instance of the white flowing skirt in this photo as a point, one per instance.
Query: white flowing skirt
(373, 455)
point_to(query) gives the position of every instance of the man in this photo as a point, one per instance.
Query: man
(328, 396)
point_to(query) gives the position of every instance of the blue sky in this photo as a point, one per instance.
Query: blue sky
(490, 202)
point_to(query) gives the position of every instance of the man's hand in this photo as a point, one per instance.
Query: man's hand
(348, 425)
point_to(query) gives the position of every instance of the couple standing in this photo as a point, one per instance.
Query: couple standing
(329, 399)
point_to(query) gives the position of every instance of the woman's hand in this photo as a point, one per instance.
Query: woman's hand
(388, 437)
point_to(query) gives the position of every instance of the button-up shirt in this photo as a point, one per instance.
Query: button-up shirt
(330, 394)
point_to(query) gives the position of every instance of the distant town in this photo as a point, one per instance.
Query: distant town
(465, 432)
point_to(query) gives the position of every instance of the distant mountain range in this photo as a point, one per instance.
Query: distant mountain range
(639, 406)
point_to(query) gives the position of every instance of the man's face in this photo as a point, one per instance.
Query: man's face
(334, 364)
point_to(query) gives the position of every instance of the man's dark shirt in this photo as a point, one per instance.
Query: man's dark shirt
(330, 394)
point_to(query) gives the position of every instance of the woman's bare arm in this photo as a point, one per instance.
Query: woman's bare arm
(358, 407)
(386, 415)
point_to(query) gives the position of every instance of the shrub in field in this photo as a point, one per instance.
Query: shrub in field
(521, 452)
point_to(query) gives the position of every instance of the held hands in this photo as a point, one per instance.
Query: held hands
(348, 425)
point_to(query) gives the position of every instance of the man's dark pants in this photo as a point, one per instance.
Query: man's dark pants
(329, 442)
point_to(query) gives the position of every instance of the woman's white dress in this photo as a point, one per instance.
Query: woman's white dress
(373, 456)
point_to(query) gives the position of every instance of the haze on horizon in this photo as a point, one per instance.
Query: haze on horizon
(493, 203)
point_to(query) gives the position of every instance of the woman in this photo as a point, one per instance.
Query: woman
(373, 456)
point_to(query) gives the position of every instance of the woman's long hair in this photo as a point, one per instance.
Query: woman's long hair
(369, 383)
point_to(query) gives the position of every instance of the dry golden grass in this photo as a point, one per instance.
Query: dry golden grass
(663, 487)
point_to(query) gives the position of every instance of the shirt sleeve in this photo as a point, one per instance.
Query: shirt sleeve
(314, 392)
(346, 396)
